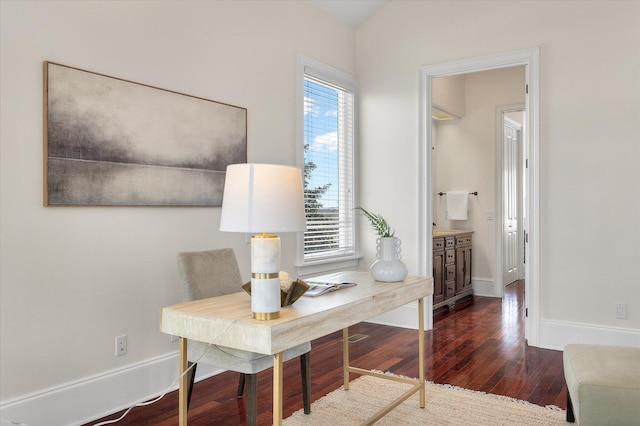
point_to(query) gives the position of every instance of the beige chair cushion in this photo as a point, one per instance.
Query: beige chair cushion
(214, 273)
(604, 383)
(238, 360)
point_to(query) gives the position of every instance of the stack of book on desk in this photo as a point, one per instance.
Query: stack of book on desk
(320, 288)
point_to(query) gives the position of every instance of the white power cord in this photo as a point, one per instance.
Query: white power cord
(137, 404)
(153, 401)
(144, 403)
(13, 423)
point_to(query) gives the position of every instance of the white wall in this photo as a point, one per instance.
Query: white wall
(589, 140)
(74, 278)
(465, 150)
(71, 279)
(448, 94)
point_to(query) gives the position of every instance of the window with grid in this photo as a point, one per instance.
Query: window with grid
(328, 145)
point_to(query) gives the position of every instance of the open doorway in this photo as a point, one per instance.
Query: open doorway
(529, 59)
(481, 161)
(510, 192)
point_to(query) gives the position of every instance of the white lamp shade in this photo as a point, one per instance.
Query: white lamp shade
(262, 198)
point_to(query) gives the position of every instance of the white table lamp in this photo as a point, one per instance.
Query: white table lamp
(263, 199)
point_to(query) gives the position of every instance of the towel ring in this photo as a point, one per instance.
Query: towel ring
(444, 193)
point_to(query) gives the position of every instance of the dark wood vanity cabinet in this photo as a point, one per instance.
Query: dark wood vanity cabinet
(438, 270)
(452, 252)
(463, 263)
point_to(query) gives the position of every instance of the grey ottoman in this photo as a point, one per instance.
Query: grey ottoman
(603, 384)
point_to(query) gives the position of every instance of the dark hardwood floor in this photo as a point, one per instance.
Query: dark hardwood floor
(479, 346)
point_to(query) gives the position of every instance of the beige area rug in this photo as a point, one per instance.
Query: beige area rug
(445, 405)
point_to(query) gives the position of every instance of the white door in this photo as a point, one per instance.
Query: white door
(511, 193)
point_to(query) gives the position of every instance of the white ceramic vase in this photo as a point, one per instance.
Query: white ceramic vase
(388, 268)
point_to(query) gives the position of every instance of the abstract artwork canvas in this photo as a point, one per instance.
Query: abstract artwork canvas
(113, 142)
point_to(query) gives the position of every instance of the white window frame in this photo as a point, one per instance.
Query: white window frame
(339, 78)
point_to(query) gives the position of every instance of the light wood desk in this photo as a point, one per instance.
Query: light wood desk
(226, 321)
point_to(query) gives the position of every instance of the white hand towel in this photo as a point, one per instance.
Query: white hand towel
(457, 205)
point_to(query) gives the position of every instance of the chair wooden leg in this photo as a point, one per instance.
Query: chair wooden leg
(570, 415)
(191, 377)
(241, 381)
(251, 401)
(305, 370)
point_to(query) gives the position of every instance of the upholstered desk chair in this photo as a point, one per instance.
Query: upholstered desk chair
(213, 273)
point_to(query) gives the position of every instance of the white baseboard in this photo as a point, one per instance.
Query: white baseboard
(557, 334)
(93, 398)
(485, 287)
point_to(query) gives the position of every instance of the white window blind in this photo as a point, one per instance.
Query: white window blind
(328, 133)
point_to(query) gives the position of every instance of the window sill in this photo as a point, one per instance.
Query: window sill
(327, 265)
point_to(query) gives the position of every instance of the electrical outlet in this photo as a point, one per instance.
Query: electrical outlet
(489, 214)
(621, 310)
(121, 345)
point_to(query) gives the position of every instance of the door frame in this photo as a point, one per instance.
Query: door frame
(529, 58)
(499, 199)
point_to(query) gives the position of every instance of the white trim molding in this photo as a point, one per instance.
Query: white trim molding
(557, 334)
(530, 59)
(487, 287)
(95, 397)
(499, 201)
(334, 261)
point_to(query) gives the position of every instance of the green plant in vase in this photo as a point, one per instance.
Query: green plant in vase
(378, 223)
(388, 267)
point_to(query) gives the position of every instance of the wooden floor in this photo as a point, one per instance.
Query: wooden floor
(478, 346)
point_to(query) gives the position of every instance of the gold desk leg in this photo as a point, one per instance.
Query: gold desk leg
(277, 389)
(421, 349)
(182, 392)
(345, 357)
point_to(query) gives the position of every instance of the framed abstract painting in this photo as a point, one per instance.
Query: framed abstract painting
(114, 142)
